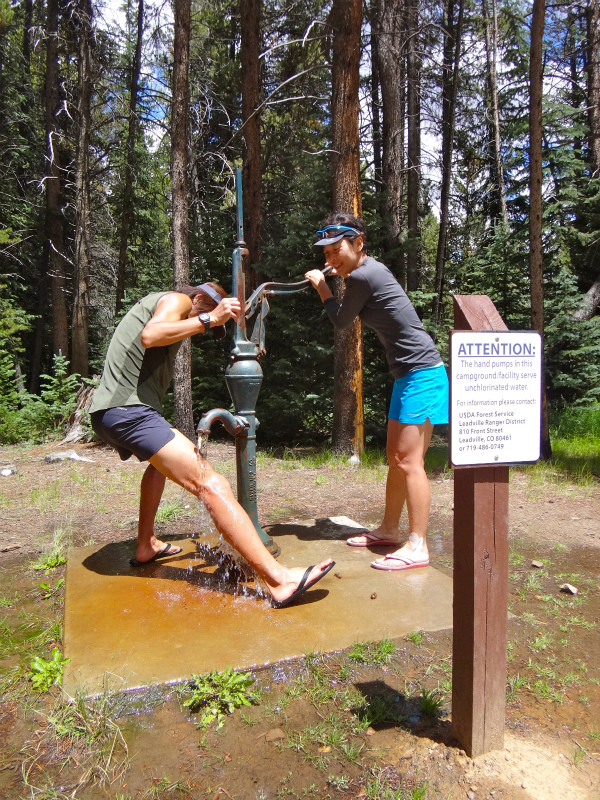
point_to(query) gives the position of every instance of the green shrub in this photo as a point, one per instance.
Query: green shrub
(31, 417)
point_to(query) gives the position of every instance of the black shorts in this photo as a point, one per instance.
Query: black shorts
(132, 430)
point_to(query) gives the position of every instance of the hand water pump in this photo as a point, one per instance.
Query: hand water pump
(244, 374)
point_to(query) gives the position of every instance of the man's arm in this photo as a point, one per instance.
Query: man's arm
(171, 322)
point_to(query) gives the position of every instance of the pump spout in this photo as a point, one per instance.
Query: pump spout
(236, 426)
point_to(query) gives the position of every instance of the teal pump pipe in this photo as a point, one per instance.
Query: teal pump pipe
(244, 374)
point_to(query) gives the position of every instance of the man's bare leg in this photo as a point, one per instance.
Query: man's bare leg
(151, 489)
(407, 445)
(178, 461)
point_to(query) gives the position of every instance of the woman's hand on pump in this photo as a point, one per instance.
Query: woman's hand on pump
(317, 280)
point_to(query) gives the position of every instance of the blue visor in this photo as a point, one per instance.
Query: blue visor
(333, 233)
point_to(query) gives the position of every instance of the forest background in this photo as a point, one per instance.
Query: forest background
(118, 141)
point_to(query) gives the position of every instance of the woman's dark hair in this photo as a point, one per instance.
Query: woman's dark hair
(339, 218)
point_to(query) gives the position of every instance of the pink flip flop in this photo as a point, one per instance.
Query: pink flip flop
(402, 563)
(395, 562)
(373, 541)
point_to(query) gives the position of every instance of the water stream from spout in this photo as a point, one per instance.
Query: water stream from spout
(232, 567)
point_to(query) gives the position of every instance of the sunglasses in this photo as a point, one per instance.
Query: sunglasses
(335, 230)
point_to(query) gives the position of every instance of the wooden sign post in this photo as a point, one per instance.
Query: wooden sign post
(480, 580)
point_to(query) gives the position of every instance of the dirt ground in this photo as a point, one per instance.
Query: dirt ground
(552, 742)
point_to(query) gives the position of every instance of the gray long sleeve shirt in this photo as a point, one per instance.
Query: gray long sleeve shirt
(374, 295)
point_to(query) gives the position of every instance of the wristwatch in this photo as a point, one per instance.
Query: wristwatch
(205, 320)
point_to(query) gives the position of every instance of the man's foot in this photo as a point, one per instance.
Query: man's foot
(413, 554)
(297, 581)
(152, 553)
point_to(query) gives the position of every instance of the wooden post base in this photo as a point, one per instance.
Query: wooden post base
(480, 607)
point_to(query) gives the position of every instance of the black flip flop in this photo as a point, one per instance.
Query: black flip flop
(302, 586)
(166, 551)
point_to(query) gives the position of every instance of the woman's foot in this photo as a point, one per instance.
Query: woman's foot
(372, 539)
(297, 581)
(413, 554)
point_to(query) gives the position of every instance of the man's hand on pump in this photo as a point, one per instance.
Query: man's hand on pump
(228, 308)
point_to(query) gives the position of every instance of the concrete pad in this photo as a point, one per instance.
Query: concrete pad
(129, 627)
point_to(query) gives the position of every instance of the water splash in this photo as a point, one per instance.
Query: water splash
(202, 449)
(233, 571)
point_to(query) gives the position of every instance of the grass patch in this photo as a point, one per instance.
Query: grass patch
(372, 653)
(83, 736)
(45, 674)
(171, 511)
(416, 637)
(575, 438)
(218, 694)
(373, 458)
(55, 554)
(378, 709)
(384, 784)
(513, 685)
(431, 702)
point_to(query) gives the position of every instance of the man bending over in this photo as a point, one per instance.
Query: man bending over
(127, 413)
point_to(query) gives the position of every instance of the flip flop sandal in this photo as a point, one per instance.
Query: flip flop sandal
(374, 541)
(302, 586)
(168, 550)
(403, 562)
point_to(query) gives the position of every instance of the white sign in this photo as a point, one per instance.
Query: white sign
(495, 397)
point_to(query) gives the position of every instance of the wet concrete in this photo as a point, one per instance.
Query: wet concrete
(162, 622)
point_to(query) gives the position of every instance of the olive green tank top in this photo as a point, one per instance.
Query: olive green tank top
(135, 375)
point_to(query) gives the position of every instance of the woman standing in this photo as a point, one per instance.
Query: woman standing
(420, 394)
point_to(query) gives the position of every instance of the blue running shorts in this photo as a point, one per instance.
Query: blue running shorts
(420, 395)
(132, 430)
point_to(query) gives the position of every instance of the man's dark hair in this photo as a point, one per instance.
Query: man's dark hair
(192, 291)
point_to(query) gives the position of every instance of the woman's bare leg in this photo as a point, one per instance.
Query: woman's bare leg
(407, 445)
(178, 461)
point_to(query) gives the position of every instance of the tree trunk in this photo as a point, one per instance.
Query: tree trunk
(27, 23)
(591, 302)
(452, 45)
(77, 428)
(535, 193)
(53, 251)
(184, 419)
(81, 297)
(391, 60)
(593, 85)
(348, 423)
(491, 52)
(40, 324)
(127, 215)
(576, 94)
(20, 383)
(375, 104)
(251, 183)
(413, 261)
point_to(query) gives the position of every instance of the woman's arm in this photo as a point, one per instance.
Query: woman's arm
(357, 293)
(317, 279)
